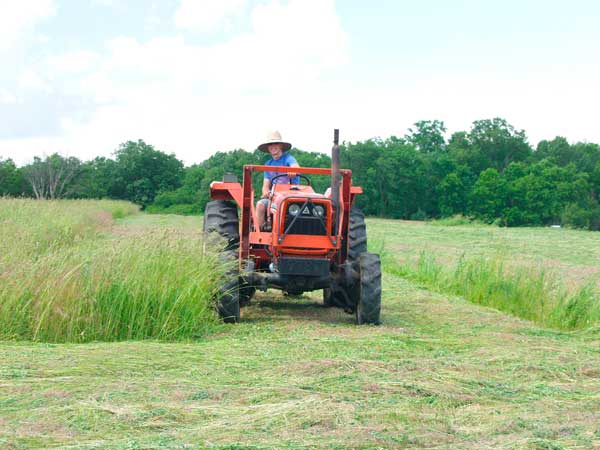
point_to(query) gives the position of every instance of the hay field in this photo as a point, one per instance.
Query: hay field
(441, 372)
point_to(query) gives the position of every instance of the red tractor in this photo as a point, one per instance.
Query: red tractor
(315, 241)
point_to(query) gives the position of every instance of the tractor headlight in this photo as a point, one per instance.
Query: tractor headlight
(294, 209)
(318, 210)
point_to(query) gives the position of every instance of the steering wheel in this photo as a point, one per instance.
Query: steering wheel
(281, 175)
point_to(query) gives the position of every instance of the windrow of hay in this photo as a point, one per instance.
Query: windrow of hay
(528, 292)
(83, 284)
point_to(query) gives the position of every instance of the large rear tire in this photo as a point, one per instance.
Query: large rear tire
(221, 217)
(357, 234)
(368, 307)
(346, 297)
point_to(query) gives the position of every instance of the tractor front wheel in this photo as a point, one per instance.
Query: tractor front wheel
(221, 217)
(368, 307)
(230, 292)
(328, 298)
(228, 305)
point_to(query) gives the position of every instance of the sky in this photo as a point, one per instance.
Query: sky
(193, 77)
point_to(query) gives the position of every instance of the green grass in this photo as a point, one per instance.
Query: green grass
(457, 220)
(180, 209)
(546, 275)
(32, 228)
(570, 255)
(441, 372)
(528, 293)
(90, 280)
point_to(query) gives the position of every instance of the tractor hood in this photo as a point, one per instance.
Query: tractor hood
(284, 191)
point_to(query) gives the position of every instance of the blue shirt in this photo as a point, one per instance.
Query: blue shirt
(286, 160)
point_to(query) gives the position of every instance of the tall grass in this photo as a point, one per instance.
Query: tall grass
(530, 293)
(30, 228)
(68, 279)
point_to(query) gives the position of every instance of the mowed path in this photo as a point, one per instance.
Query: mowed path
(439, 373)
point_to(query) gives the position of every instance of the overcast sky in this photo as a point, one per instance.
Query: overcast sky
(193, 77)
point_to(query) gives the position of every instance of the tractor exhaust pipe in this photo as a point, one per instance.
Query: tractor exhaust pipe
(335, 177)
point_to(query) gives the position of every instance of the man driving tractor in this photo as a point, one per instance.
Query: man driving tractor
(314, 241)
(278, 149)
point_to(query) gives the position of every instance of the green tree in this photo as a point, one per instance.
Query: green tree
(390, 173)
(12, 181)
(463, 152)
(142, 172)
(427, 136)
(558, 150)
(539, 193)
(96, 179)
(487, 200)
(453, 195)
(490, 143)
(586, 156)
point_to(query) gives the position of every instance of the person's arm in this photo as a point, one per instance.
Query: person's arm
(293, 163)
(265, 188)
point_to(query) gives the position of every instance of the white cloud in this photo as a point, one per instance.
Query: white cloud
(31, 80)
(7, 96)
(193, 99)
(207, 15)
(17, 17)
(72, 63)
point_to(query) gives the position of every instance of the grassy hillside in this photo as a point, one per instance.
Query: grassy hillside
(439, 373)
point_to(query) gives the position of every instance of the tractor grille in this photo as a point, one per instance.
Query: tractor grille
(305, 225)
(306, 221)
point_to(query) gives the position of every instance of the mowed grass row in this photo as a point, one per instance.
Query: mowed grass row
(545, 275)
(66, 277)
(439, 372)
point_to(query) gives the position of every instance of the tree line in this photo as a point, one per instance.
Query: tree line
(490, 173)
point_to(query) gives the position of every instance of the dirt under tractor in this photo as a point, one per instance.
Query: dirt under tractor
(312, 241)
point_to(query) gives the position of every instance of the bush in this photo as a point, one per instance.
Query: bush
(419, 215)
(178, 197)
(574, 216)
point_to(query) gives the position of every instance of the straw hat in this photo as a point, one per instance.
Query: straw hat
(274, 138)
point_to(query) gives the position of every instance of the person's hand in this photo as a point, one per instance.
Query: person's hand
(291, 175)
(265, 194)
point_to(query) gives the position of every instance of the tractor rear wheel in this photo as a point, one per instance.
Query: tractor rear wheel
(221, 217)
(368, 306)
(357, 234)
